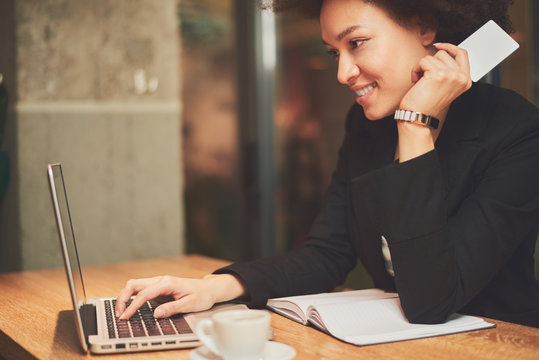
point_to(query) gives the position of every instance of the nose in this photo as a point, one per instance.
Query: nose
(348, 70)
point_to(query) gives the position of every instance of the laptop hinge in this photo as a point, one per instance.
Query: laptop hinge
(88, 316)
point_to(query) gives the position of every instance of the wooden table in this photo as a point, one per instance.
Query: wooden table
(36, 321)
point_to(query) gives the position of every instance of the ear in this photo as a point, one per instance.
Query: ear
(427, 30)
(427, 36)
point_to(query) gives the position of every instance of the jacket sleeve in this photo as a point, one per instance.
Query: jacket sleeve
(321, 264)
(442, 260)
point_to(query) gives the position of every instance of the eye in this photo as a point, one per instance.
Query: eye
(355, 43)
(333, 53)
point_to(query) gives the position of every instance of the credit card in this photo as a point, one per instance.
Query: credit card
(487, 47)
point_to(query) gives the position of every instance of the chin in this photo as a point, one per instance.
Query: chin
(375, 115)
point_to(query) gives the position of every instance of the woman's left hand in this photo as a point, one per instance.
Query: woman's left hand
(438, 80)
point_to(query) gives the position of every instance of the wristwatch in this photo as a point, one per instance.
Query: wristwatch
(417, 118)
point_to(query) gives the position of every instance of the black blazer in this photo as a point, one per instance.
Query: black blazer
(461, 221)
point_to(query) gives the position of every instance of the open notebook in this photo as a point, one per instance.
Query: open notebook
(365, 317)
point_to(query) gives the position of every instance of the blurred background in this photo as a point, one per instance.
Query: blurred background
(184, 126)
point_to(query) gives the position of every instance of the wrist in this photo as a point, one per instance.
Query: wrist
(414, 140)
(224, 287)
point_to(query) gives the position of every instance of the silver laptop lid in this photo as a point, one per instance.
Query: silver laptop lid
(68, 246)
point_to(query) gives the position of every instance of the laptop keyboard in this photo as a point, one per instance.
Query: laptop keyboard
(142, 323)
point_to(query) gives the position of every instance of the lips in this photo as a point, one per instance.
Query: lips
(365, 90)
(364, 93)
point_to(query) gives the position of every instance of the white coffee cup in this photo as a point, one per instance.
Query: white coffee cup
(236, 334)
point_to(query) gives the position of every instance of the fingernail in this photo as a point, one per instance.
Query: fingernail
(158, 313)
(117, 314)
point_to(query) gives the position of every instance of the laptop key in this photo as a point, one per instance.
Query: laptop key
(110, 322)
(181, 324)
(166, 326)
(136, 326)
(123, 328)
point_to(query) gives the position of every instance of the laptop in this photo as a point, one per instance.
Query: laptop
(98, 329)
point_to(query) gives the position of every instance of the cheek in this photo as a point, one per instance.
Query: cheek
(370, 63)
(383, 66)
(396, 78)
(394, 62)
(395, 68)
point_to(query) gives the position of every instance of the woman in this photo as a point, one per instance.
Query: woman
(445, 213)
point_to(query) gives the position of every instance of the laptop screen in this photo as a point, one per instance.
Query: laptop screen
(65, 230)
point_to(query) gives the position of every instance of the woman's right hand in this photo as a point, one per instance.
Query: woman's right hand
(184, 294)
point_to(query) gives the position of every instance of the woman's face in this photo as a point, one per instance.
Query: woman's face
(375, 54)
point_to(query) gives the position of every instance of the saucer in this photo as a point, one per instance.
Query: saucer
(272, 351)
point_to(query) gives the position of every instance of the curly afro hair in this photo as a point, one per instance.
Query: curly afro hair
(454, 19)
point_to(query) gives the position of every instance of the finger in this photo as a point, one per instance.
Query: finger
(144, 295)
(447, 59)
(160, 286)
(419, 69)
(450, 48)
(131, 288)
(123, 297)
(428, 63)
(460, 55)
(170, 308)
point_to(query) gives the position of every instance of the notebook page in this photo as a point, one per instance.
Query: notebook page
(379, 321)
(304, 301)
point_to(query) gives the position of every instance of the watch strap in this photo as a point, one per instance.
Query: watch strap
(417, 118)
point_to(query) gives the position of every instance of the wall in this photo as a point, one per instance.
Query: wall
(97, 89)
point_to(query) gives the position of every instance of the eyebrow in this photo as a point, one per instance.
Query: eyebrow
(345, 32)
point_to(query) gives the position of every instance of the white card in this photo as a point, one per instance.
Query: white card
(487, 47)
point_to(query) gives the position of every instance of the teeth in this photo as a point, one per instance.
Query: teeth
(366, 89)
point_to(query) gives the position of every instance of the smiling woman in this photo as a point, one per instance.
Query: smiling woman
(445, 215)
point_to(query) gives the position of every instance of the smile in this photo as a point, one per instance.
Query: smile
(366, 89)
